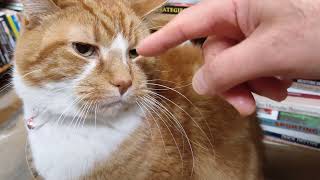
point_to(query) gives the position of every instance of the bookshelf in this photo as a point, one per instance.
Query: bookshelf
(9, 33)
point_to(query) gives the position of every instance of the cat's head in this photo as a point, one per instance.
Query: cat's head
(82, 52)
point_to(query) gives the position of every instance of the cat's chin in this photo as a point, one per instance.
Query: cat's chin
(114, 109)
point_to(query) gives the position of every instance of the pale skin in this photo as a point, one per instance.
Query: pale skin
(252, 46)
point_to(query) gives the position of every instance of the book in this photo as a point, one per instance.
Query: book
(5, 28)
(13, 26)
(290, 133)
(304, 120)
(185, 3)
(304, 91)
(308, 82)
(4, 17)
(16, 22)
(296, 105)
(8, 34)
(290, 126)
(289, 140)
(299, 119)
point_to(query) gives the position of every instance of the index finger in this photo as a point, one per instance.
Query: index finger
(204, 19)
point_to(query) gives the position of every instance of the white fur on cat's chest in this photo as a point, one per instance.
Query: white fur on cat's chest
(68, 153)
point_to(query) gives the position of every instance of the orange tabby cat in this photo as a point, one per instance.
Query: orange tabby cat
(94, 109)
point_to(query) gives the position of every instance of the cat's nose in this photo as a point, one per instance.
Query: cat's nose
(122, 84)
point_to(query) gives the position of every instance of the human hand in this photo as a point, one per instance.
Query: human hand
(250, 45)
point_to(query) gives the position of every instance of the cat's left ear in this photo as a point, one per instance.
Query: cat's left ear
(35, 10)
(145, 7)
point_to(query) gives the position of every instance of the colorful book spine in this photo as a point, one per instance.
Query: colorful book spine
(8, 33)
(4, 17)
(290, 126)
(300, 119)
(16, 22)
(296, 105)
(13, 26)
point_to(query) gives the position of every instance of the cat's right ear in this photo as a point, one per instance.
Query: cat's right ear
(35, 10)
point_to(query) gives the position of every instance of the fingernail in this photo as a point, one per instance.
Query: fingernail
(199, 83)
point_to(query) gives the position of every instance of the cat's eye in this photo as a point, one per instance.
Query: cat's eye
(85, 50)
(133, 54)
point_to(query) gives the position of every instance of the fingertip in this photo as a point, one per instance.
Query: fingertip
(145, 47)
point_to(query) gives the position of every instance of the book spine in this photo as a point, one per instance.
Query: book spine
(308, 82)
(6, 37)
(13, 26)
(296, 134)
(294, 140)
(171, 9)
(304, 120)
(7, 30)
(290, 126)
(4, 17)
(304, 95)
(294, 107)
(4, 47)
(2, 59)
(16, 22)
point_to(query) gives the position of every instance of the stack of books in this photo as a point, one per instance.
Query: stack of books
(297, 119)
(9, 32)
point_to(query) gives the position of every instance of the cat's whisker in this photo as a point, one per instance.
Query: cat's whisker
(163, 97)
(76, 115)
(85, 117)
(164, 122)
(176, 121)
(77, 100)
(161, 107)
(160, 96)
(207, 124)
(164, 145)
(95, 115)
(169, 88)
(185, 111)
(168, 114)
(147, 119)
(81, 115)
(6, 87)
(29, 73)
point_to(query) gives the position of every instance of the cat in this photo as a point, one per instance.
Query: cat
(95, 109)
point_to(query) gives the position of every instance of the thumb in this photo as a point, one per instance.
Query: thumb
(253, 58)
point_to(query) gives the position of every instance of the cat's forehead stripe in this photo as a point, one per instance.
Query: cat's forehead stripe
(91, 10)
